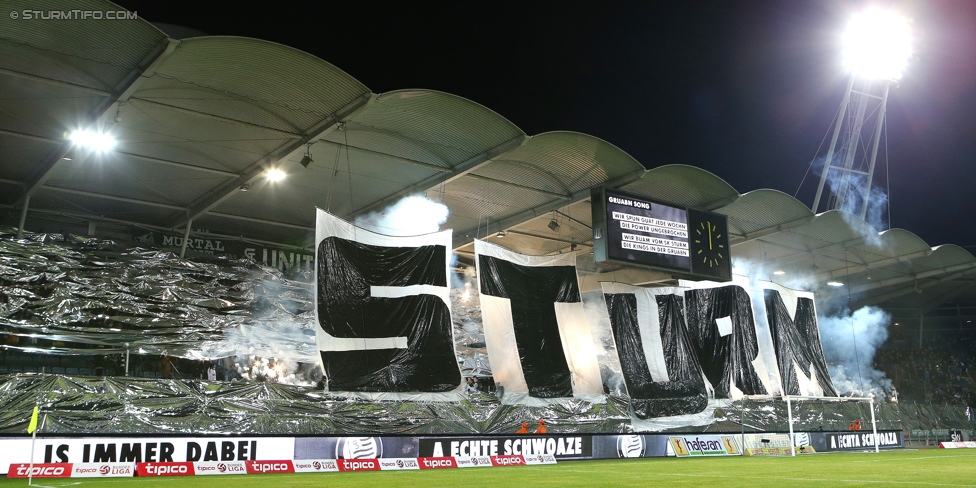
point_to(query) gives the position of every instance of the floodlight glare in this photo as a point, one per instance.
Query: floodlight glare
(96, 141)
(877, 44)
(275, 175)
(834, 283)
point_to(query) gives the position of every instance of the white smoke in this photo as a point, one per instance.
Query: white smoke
(850, 341)
(877, 203)
(413, 215)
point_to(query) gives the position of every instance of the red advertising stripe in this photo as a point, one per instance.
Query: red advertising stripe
(436, 462)
(269, 467)
(359, 465)
(40, 470)
(164, 469)
(511, 460)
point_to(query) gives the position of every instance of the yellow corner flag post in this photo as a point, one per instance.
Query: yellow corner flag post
(32, 429)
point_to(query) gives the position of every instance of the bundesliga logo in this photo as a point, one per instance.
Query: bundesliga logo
(222, 467)
(317, 465)
(103, 469)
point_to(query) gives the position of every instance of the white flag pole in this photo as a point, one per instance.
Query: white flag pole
(30, 470)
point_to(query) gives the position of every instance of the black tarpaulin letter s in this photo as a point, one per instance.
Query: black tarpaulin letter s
(382, 310)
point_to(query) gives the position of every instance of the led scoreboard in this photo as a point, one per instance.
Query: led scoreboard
(686, 242)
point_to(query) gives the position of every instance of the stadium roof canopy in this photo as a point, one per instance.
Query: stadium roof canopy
(201, 120)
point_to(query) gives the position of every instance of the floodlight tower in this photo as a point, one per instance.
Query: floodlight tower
(877, 45)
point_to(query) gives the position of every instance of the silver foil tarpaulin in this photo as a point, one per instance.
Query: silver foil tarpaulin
(104, 406)
(120, 405)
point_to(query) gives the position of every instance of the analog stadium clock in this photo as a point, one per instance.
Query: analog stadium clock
(708, 244)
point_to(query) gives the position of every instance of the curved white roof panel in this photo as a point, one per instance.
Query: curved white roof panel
(202, 119)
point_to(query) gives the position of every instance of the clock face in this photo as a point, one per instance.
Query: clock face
(708, 237)
(711, 246)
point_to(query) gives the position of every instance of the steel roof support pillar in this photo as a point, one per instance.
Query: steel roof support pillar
(186, 237)
(23, 217)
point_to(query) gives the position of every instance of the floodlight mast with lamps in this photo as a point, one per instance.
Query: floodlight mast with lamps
(877, 46)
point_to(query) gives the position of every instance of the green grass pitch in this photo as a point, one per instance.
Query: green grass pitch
(932, 467)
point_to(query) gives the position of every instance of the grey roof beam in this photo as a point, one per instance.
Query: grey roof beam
(547, 238)
(58, 83)
(911, 286)
(942, 274)
(261, 221)
(458, 171)
(30, 137)
(150, 159)
(44, 168)
(143, 225)
(570, 217)
(217, 195)
(906, 258)
(176, 164)
(817, 251)
(113, 197)
(521, 187)
(250, 125)
(758, 234)
(462, 238)
(414, 162)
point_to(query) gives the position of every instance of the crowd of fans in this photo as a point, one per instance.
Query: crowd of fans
(929, 376)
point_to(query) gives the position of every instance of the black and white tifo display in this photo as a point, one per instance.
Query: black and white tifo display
(385, 331)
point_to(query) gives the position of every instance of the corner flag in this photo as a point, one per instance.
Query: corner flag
(33, 422)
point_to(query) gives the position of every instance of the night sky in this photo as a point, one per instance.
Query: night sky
(746, 90)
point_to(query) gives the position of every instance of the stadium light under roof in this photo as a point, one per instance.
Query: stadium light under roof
(93, 140)
(877, 44)
(275, 174)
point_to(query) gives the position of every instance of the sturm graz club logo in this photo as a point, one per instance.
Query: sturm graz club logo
(801, 439)
(630, 446)
(359, 448)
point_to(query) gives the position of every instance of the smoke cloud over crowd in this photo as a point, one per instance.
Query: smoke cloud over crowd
(850, 341)
(413, 215)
